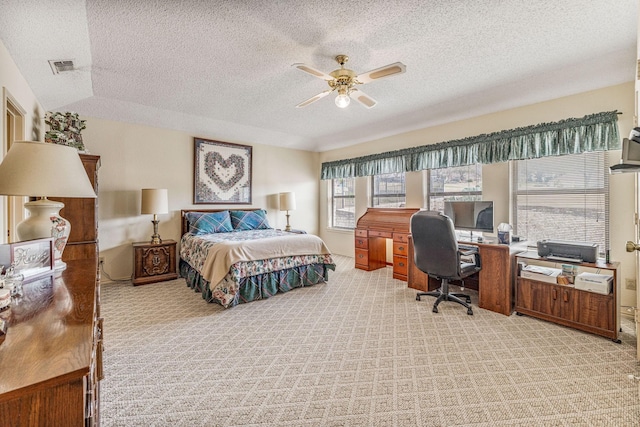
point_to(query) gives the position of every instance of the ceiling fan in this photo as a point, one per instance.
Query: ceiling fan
(344, 81)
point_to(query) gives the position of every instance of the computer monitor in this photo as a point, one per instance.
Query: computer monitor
(472, 216)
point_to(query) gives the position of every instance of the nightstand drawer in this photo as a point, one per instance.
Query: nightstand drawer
(154, 262)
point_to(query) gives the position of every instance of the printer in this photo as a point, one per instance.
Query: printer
(568, 251)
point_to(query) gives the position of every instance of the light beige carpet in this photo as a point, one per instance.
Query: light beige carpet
(356, 351)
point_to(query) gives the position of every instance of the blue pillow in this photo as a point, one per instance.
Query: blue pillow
(207, 223)
(249, 220)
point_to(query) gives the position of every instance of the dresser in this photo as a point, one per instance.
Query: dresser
(51, 358)
(371, 234)
(82, 214)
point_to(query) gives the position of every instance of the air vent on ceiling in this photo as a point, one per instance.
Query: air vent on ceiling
(60, 66)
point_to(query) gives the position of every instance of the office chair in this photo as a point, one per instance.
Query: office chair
(437, 254)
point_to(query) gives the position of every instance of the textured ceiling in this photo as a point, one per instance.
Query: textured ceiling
(222, 69)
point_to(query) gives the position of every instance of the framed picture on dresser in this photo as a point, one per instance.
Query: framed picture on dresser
(222, 172)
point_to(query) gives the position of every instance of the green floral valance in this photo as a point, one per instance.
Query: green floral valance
(595, 132)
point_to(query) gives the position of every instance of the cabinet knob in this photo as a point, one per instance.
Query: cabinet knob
(401, 248)
(401, 264)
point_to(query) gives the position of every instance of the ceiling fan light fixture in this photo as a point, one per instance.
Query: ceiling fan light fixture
(343, 100)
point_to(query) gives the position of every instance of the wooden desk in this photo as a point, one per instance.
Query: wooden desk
(372, 231)
(495, 282)
(51, 358)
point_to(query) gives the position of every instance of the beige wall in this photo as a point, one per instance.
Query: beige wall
(135, 157)
(496, 177)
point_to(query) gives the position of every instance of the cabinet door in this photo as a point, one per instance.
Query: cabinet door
(595, 310)
(569, 302)
(538, 296)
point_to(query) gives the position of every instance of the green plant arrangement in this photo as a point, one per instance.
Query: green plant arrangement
(64, 129)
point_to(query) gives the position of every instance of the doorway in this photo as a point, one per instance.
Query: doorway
(11, 206)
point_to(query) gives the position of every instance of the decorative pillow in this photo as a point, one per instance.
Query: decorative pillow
(207, 223)
(249, 220)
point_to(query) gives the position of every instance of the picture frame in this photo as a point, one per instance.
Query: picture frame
(222, 173)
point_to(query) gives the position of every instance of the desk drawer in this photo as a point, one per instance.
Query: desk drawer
(361, 233)
(400, 265)
(400, 248)
(362, 242)
(362, 259)
(400, 237)
(385, 234)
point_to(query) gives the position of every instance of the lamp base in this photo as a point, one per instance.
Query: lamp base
(288, 227)
(44, 221)
(155, 238)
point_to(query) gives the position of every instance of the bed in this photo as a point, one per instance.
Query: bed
(235, 256)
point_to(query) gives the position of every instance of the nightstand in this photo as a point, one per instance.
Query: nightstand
(154, 262)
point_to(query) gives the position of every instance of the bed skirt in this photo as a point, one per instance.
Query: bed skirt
(260, 286)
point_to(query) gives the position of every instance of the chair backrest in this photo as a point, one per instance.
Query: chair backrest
(435, 246)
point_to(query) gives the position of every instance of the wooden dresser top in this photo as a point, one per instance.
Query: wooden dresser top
(50, 335)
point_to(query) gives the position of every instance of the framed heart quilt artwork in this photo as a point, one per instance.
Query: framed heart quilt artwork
(222, 173)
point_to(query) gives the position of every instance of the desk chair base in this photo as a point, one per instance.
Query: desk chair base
(442, 294)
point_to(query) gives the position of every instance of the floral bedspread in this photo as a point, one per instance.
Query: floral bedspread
(194, 250)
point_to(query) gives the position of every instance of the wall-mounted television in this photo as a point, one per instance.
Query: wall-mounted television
(473, 216)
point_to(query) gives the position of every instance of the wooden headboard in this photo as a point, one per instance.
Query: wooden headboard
(183, 213)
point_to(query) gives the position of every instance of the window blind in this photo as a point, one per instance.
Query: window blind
(563, 198)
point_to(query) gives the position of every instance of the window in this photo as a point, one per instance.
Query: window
(454, 183)
(388, 191)
(343, 203)
(563, 198)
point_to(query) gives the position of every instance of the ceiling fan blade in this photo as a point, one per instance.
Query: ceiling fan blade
(310, 70)
(363, 98)
(382, 72)
(314, 98)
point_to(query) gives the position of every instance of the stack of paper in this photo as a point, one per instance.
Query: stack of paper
(543, 274)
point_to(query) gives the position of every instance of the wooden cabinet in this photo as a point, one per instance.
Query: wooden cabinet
(154, 262)
(494, 282)
(562, 304)
(371, 234)
(51, 359)
(82, 214)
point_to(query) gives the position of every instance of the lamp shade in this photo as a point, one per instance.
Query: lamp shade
(155, 201)
(287, 201)
(39, 169)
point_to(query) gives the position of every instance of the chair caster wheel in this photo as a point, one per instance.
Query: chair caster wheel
(435, 309)
(417, 297)
(470, 312)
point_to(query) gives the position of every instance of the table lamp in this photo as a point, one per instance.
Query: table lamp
(155, 201)
(287, 203)
(41, 170)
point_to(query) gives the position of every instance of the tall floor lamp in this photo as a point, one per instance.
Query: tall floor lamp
(155, 201)
(287, 203)
(42, 170)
